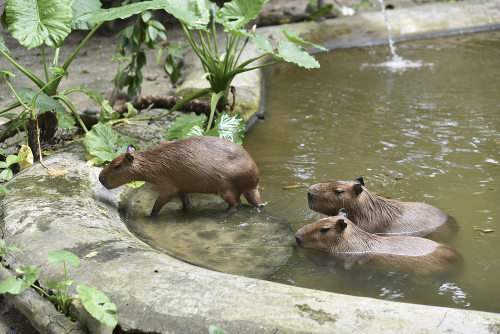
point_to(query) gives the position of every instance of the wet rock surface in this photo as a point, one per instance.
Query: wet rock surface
(250, 242)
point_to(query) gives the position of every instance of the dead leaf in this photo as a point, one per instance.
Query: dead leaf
(487, 230)
(91, 254)
(28, 159)
(291, 187)
(56, 172)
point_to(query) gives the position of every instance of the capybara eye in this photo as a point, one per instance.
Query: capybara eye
(116, 166)
(324, 229)
(338, 191)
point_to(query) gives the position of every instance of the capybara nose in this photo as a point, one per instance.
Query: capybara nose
(102, 180)
(297, 239)
(309, 195)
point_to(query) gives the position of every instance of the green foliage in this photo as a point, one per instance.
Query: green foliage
(227, 126)
(11, 159)
(3, 251)
(98, 305)
(61, 256)
(173, 60)
(315, 12)
(212, 329)
(107, 112)
(43, 101)
(101, 145)
(121, 12)
(81, 7)
(16, 285)
(37, 22)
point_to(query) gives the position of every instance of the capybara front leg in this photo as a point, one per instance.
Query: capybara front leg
(253, 197)
(232, 198)
(159, 203)
(185, 200)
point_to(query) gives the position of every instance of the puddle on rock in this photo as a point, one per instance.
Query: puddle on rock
(250, 242)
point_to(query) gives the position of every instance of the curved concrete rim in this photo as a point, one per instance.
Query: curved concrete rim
(156, 293)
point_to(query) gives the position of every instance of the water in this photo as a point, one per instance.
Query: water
(430, 134)
(396, 62)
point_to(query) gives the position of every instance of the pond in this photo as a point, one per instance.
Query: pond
(428, 134)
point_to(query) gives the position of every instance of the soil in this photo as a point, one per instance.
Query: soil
(93, 69)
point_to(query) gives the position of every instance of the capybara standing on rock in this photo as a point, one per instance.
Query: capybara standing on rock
(351, 245)
(375, 214)
(208, 165)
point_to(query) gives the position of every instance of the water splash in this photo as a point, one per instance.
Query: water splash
(396, 62)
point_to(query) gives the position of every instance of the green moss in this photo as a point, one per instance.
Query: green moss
(319, 316)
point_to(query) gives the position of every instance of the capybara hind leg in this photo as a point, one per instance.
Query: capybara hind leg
(232, 198)
(185, 200)
(253, 197)
(159, 203)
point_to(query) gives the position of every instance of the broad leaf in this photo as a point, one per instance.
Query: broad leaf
(262, 43)
(81, 7)
(193, 13)
(43, 101)
(3, 190)
(60, 256)
(293, 53)
(6, 174)
(212, 329)
(98, 305)
(121, 12)
(233, 15)
(131, 111)
(107, 112)
(4, 47)
(34, 22)
(296, 39)
(58, 285)
(230, 127)
(65, 121)
(16, 286)
(101, 144)
(188, 125)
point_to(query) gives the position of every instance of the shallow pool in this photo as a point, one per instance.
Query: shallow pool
(427, 134)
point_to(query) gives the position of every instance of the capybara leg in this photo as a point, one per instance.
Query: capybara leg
(232, 198)
(253, 197)
(185, 200)
(159, 203)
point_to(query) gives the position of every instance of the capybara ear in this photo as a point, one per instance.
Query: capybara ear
(358, 189)
(341, 225)
(342, 213)
(360, 180)
(131, 147)
(129, 157)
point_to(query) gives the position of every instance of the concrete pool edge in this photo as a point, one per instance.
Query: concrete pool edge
(178, 297)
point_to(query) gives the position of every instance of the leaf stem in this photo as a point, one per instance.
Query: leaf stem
(70, 105)
(44, 57)
(36, 80)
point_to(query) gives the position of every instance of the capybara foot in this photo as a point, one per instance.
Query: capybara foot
(253, 197)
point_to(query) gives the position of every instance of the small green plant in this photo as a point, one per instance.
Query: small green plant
(212, 329)
(94, 301)
(317, 9)
(173, 60)
(3, 252)
(5, 166)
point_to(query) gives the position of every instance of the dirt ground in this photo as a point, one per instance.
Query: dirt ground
(93, 69)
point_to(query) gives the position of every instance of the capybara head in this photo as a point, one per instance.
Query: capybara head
(330, 197)
(327, 234)
(119, 171)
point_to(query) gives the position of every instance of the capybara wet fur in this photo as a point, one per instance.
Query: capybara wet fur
(375, 214)
(201, 164)
(351, 246)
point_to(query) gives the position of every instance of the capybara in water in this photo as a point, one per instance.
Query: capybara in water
(201, 164)
(375, 214)
(350, 245)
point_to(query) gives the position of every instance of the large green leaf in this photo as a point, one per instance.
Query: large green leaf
(60, 256)
(193, 13)
(121, 12)
(188, 125)
(17, 285)
(262, 43)
(65, 121)
(101, 144)
(43, 101)
(233, 15)
(98, 305)
(296, 39)
(230, 127)
(294, 53)
(34, 22)
(81, 7)
(107, 112)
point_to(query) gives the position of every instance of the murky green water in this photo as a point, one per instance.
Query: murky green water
(429, 134)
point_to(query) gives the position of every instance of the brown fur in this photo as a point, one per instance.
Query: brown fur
(351, 245)
(197, 164)
(375, 214)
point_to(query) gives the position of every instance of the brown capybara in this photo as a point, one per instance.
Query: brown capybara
(208, 165)
(350, 245)
(375, 214)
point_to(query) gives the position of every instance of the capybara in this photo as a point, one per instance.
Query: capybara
(200, 164)
(375, 214)
(350, 245)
